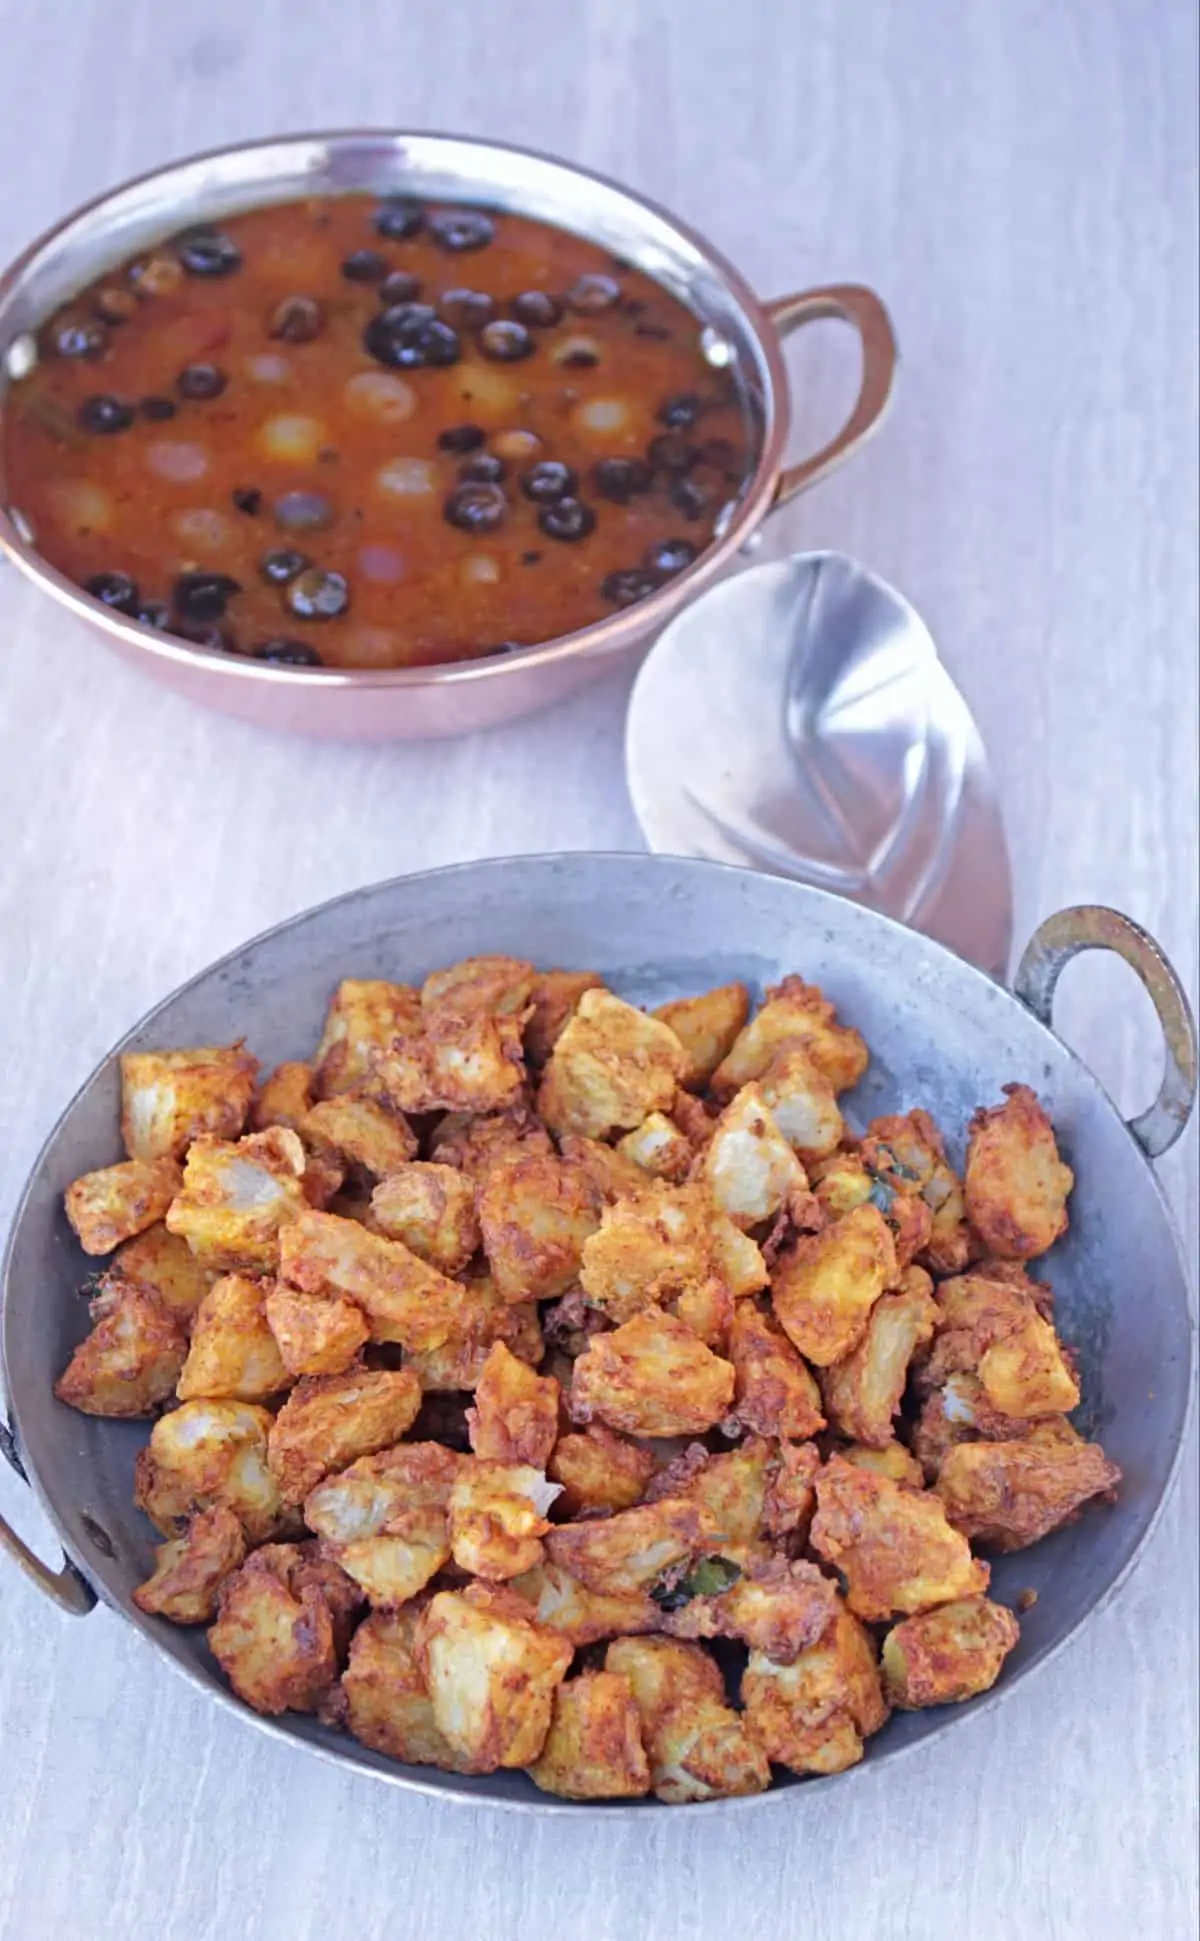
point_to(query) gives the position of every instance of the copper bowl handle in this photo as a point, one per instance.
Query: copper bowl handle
(853, 304)
(68, 1587)
(1091, 926)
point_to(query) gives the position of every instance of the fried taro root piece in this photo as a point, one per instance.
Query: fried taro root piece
(384, 1518)
(594, 1748)
(365, 1017)
(553, 1001)
(206, 1453)
(536, 1212)
(329, 1421)
(794, 1013)
(491, 1674)
(895, 1547)
(599, 1470)
(385, 1702)
(164, 1264)
(130, 1361)
(459, 1361)
(562, 1604)
(315, 1334)
(863, 1393)
(516, 1412)
(283, 1627)
(630, 1550)
(665, 1245)
(775, 1392)
(189, 1570)
(947, 1655)
(651, 1377)
(731, 1487)
(168, 1098)
(698, 1748)
(748, 1166)
(236, 1198)
(790, 1498)
(772, 1605)
(404, 1299)
(824, 1285)
(908, 1153)
(802, 1102)
(497, 1518)
(474, 1063)
(1008, 1495)
(431, 1208)
(472, 1142)
(1015, 1184)
(360, 1132)
(998, 1330)
(813, 1714)
(283, 1098)
(890, 1459)
(611, 1067)
(491, 987)
(706, 1027)
(117, 1202)
(659, 1147)
(233, 1353)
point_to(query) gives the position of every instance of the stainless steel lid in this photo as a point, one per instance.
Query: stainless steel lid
(797, 719)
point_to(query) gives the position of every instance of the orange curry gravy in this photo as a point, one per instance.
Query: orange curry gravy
(357, 433)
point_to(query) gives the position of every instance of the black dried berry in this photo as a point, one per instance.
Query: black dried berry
(626, 587)
(689, 498)
(282, 563)
(484, 469)
(578, 357)
(81, 340)
(621, 479)
(567, 519)
(154, 613)
(287, 653)
(679, 412)
(476, 507)
(317, 595)
(297, 320)
(668, 556)
(461, 229)
(247, 499)
(198, 598)
(548, 481)
(398, 219)
(105, 415)
(364, 266)
(207, 252)
(200, 382)
(671, 452)
(157, 410)
(466, 309)
(115, 590)
(506, 342)
(461, 438)
(408, 335)
(591, 294)
(399, 286)
(537, 309)
(503, 647)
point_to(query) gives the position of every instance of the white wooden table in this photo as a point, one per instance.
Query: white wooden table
(1018, 181)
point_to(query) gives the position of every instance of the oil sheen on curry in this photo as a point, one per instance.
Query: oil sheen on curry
(355, 433)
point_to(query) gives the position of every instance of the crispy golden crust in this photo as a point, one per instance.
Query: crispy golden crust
(329, 1421)
(361, 1132)
(497, 1518)
(315, 1334)
(282, 1627)
(560, 1603)
(113, 1204)
(284, 1097)
(460, 1360)
(598, 1470)
(888, 1459)
(610, 1068)
(802, 1103)
(658, 1147)
(474, 1063)
(535, 1213)
(775, 1392)
(233, 1352)
(1016, 1185)
(165, 1264)
(790, 1498)
(472, 1142)
(491, 1675)
(189, 1570)
(130, 1362)
(384, 1518)
(1009, 1494)
(479, 987)
(732, 1487)
(364, 1018)
(594, 1749)
(236, 1198)
(706, 1027)
(515, 1417)
(863, 1392)
(949, 1654)
(431, 1208)
(824, 1285)
(670, 1246)
(613, 1175)
(774, 1606)
(652, 1377)
(404, 1299)
(813, 1714)
(697, 1747)
(387, 1703)
(748, 1166)
(795, 1013)
(168, 1098)
(205, 1453)
(629, 1551)
(910, 1154)
(996, 1329)
(553, 1001)
(894, 1546)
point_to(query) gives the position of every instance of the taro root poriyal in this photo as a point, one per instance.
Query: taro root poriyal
(475, 431)
(522, 1343)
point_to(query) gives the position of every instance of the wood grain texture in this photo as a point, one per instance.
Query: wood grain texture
(1019, 181)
